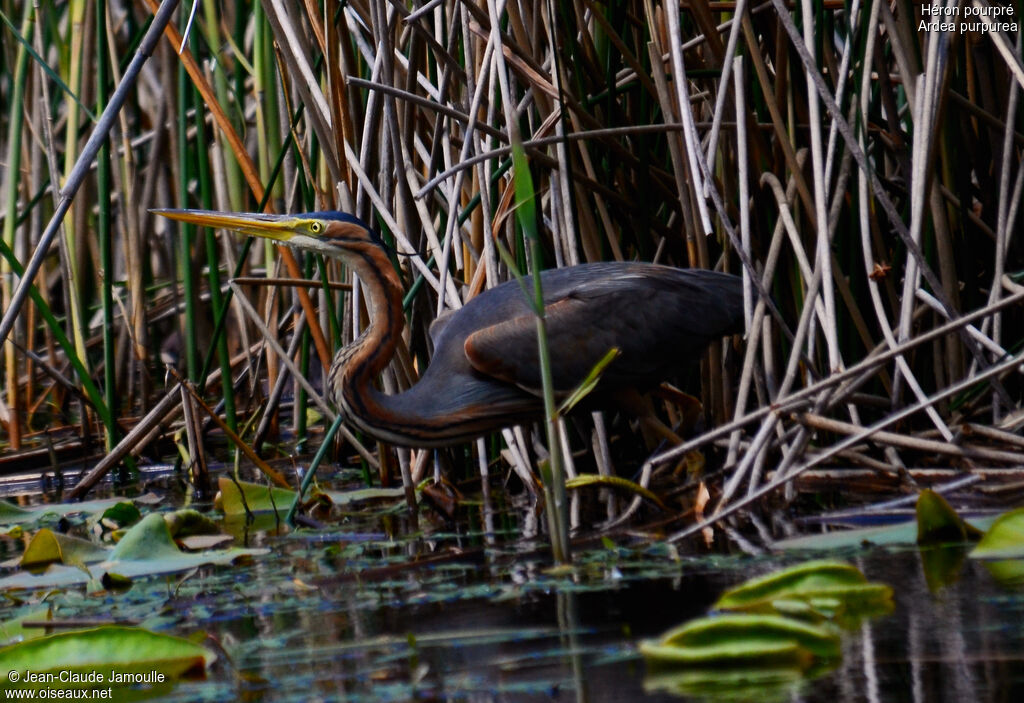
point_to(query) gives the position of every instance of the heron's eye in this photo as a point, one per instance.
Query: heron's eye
(315, 227)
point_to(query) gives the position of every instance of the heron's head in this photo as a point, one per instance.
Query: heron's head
(329, 233)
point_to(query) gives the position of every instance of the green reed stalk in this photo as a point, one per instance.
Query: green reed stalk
(212, 258)
(556, 505)
(104, 227)
(187, 276)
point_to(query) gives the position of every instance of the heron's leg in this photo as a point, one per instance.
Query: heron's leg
(641, 407)
(654, 430)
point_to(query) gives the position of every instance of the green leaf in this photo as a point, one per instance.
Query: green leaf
(13, 630)
(1004, 540)
(122, 514)
(807, 578)
(259, 498)
(263, 499)
(105, 651)
(526, 205)
(938, 523)
(150, 539)
(827, 589)
(589, 383)
(735, 684)
(146, 549)
(11, 514)
(48, 547)
(900, 533)
(760, 652)
(736, 641)
(585, 480)
(186, 523)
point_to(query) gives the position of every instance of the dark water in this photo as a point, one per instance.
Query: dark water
(358, 612)
(497, 628)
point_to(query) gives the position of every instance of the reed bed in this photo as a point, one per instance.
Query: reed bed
(863, 176)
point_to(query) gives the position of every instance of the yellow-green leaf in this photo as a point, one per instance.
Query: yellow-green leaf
(1004, 540)
(259, 498)
(589, 383)
(938, 523)
(745, 634)
(48, 547)
(798, 581)
(104, 651)
(587, 480)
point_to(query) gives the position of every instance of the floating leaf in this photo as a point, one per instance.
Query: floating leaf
(146, 549)
(814, 589)
(122, 514)
(11, 514)
(262, 499)
(361, 494)
(1004, 540)
(186, 523)
(745, 632)
(48, 547)
(766, 653)
(195, 543)
(150, 539)
(743, 640)
(235, 497)
(899, 533)
(731, 685)
(82, 655)
(14, 630)
(939, 523)
(808, 578)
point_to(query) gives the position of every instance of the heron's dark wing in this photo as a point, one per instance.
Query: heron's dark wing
(659, 318)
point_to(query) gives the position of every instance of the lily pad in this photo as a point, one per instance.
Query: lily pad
(730, 685)
(1004, 540)
(262, 499)
(812, 590)
(146, 549)
(121, 515)
(107, 652)
(741, 639)
(13, 630)
(48, 547)
(11, 514)
(800, 581)
(235, 497)
(939, 523)
(899, 533)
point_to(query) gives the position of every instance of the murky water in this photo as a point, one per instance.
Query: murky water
(353, 614)
(475, 633)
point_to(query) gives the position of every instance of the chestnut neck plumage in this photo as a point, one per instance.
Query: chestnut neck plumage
(357, 365)
(432, 413)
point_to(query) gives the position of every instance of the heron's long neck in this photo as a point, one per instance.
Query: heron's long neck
(357, 365)
(370, 353)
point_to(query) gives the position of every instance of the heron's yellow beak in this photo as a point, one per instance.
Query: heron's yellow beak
(281, 228)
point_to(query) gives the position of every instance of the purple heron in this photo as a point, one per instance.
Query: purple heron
(484, 374)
